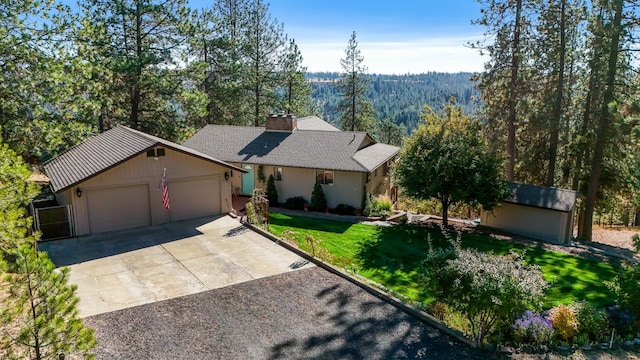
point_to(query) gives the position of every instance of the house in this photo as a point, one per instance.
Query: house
(538, 212)
(112, 181)
(299, 154)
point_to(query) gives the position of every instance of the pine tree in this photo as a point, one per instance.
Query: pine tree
(40, 315)
(216, 53)
(356, 113)
(297, 90)
(139, 41)
(263, 41)
(15, 195)
(388, 132)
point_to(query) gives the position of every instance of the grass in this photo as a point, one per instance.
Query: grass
(391, 256)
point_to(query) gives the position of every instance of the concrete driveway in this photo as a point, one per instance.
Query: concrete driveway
(122, 269)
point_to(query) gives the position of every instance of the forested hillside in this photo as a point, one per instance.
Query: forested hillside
(399, 97)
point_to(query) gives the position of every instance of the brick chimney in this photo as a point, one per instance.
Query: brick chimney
(283, 122)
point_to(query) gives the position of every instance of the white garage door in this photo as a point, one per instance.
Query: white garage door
(118, 208)
(194, 198)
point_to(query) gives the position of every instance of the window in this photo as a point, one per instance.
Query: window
(324, 177)
(277, 173)
(154, 153)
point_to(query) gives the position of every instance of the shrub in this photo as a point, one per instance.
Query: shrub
(272, 192)
(626, 286)
(532, 328)
(318, 201)
(370, 206)
(487, 288)
(385, 204)
(564, 321)
(295, 203)
(620, 319)
(377, 206)
(343, 209)
(592, 322)
(636, 241)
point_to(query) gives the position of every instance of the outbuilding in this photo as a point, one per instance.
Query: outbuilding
(543, 213)
(124, 178)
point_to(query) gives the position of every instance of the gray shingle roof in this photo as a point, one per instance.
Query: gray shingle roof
(315, 123)
(542, 197)
(104, 151)
(370, 156)
(316, 149)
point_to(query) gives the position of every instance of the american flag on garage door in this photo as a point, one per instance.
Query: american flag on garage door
(165, 189)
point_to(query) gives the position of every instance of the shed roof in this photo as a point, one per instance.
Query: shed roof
(319, 149)
(102, 152)
(315, 123)
(542, 197)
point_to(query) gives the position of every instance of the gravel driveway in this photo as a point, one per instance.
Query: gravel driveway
(307, 314)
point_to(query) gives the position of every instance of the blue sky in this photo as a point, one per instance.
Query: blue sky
(395, 37)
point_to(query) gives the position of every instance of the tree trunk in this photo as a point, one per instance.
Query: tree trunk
(445, 210)
(134, 118)
(604, 122)
(636, 220)
(513, 95)
(557, 111)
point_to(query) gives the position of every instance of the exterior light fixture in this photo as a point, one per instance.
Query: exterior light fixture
(79, 192)
(226, 175)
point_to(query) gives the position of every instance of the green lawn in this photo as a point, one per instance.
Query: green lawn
(391, 256)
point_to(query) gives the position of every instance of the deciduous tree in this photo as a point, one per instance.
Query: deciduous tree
(447, 159)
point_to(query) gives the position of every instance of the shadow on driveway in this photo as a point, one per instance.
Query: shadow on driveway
(67, 252)
(306, 314)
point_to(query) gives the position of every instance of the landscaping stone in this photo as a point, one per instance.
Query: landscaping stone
(636, 341)
(628, 343)
(507, 350)
(603, 346)
(586, 347)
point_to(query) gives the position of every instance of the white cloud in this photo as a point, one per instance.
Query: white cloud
(389, 57)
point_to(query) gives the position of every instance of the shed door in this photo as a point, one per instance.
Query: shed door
(194, 198)
(118, 208)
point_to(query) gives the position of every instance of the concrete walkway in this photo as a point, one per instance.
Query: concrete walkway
(128, 268)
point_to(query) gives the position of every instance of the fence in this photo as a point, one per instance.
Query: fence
(53, 222)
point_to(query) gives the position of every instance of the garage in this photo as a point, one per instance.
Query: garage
(194, 198)
(118, 208)
(113, 181)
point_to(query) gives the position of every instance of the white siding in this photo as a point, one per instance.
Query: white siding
(346, 189)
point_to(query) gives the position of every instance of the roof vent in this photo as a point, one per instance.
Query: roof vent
(283, 122)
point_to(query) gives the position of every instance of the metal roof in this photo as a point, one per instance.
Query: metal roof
(542, 197)
(316, 149)
(101, 152)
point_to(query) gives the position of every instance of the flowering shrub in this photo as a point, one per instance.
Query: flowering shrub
(564, 321)
(532, 328)
(486, 288)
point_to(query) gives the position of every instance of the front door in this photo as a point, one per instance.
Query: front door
(247, 180)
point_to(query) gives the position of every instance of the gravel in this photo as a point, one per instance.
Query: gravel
(305, 314)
